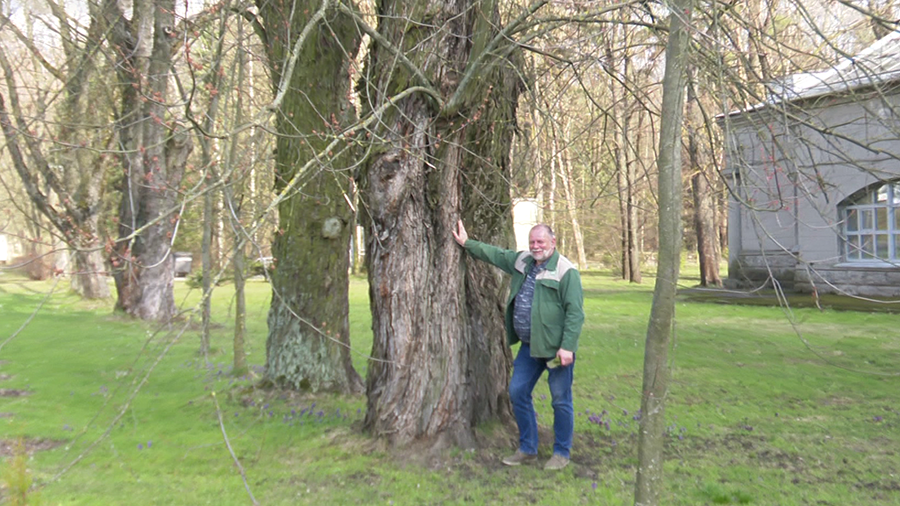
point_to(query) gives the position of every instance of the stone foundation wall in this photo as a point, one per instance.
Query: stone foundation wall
(752, 270)
(849, 280)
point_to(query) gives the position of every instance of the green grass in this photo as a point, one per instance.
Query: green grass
(766, 407)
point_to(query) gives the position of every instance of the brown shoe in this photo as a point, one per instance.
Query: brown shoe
(556, 463)
(519, 458)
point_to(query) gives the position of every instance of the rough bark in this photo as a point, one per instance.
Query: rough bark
(648, 486)
(308, 342)
(154, 152)
(440, 364)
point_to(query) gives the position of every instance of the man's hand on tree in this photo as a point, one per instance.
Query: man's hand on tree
(460, 235)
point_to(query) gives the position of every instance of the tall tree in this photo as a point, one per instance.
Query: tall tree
(566, 174)
(311, 46)
(65, 180)
(153, 151)
(619, 67)
(648, 486)
(439, 366)
(208, 161)
(704, 199)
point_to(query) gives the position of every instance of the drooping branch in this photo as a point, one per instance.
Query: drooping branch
(11, 132)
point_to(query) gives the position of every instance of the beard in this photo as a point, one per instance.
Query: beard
(541, 255)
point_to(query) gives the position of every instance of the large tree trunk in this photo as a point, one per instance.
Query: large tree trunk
(308, 343)
(89, 272)
(648, 486)
(440, 364)
(154, 154)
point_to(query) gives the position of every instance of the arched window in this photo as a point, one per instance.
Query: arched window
(871, 224)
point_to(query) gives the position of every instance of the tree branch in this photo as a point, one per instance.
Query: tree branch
(424, 82)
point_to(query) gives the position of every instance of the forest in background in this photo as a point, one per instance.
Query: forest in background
(300, 134)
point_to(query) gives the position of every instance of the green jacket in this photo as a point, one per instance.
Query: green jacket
(557, 311)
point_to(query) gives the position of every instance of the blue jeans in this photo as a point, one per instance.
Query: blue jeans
(526, 372)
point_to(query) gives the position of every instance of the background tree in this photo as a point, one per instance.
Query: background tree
(153, 151)
(58, 153)
(311, 46)
(702, 185)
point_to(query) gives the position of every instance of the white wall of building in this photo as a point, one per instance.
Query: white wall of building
(526, 214)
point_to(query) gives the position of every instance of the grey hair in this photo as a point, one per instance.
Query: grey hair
(546, 228)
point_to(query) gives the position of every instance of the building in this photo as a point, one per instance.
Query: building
(814, 174)
(526, 214)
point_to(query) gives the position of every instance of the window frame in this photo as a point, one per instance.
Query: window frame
(865, 240)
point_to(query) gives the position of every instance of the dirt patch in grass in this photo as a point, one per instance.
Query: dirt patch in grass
(12, 392)
(9, 447)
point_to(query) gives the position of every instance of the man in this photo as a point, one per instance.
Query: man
(545, 313)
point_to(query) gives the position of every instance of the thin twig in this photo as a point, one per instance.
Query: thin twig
(230, 450)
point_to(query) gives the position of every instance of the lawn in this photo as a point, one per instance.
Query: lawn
(767, 406)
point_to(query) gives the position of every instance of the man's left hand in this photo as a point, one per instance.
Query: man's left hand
(566, 357)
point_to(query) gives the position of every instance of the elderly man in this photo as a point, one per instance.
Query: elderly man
(545, 313)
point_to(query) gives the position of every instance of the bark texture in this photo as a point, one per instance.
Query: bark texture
(154, 149)
(440, 364)
(648, 486)
(308, 342)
